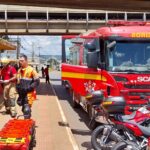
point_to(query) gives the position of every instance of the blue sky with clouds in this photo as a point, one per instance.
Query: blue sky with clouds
(48, 45)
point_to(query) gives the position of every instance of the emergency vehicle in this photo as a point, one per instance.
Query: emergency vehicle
(114, 59)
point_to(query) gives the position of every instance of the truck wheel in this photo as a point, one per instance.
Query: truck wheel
(73, 100)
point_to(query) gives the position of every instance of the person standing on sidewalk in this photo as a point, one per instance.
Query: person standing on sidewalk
(27, 81)
(42, 70)
(8, 73)
(47, 74)
(37, 70)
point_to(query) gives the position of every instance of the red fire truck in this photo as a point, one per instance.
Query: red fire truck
(114, 59)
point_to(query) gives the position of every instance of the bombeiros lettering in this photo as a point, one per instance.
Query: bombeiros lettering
(140, 35)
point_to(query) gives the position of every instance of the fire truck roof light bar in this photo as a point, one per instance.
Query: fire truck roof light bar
(127, 23)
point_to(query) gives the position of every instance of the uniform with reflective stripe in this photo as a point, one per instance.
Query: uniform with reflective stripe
(26, 77)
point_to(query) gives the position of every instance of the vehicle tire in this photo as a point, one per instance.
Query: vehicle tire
(120, 146)
(100, 141)
(73, 100)
(124, 146)
(65, 85)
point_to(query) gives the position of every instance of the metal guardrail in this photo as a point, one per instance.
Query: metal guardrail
(64, 22)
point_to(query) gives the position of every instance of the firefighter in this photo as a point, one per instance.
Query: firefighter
(8, 73)
(27, 81)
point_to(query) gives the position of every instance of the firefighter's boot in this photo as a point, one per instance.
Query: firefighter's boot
(7, 107)
(26, 111)
(13, 112)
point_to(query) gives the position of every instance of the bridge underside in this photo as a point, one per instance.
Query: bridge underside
(124, 5)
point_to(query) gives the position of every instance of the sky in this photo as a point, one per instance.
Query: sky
(48, 45)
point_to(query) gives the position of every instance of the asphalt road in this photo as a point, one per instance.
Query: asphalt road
(77, 118)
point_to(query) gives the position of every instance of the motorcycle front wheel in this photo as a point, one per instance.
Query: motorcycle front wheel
(100, 140)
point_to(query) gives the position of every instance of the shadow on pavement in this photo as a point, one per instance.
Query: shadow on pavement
(81, 132)
(55, 79)
(44, 89)
(87, 145)
(63, 94)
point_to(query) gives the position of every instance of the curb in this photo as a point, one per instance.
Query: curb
(71, 137)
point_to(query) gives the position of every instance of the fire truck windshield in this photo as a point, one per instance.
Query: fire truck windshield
(129, 56)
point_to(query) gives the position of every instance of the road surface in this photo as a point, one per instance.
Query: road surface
(77, 118)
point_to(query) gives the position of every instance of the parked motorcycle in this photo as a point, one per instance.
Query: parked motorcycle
(126, 145)
(133, 145)
(121, 129)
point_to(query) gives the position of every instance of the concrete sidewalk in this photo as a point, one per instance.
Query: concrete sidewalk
(52, 132)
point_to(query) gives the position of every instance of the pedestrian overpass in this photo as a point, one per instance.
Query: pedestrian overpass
(51, 21)
(124, 5)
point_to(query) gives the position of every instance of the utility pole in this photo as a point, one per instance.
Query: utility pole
(32, 52)
(18, 47)
(39, 53)
(39, 50)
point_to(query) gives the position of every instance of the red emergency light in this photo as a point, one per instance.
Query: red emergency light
(127, 23)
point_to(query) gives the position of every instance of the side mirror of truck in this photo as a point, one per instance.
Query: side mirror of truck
(92, 59)
(90, 46)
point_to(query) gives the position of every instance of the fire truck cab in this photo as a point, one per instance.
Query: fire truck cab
(114, 59)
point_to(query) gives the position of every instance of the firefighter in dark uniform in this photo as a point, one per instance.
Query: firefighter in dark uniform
(27, 81)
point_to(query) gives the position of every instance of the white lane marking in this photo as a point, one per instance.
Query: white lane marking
(71, 138)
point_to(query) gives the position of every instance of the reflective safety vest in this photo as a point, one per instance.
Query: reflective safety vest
(25, 77)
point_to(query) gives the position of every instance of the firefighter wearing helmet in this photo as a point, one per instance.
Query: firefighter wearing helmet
(27, 81)
(8, 73)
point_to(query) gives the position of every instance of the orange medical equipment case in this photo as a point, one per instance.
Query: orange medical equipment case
(18, 134)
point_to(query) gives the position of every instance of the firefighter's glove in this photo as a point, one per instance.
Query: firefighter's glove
(30, 88)
(27, 89)
(33, 85)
